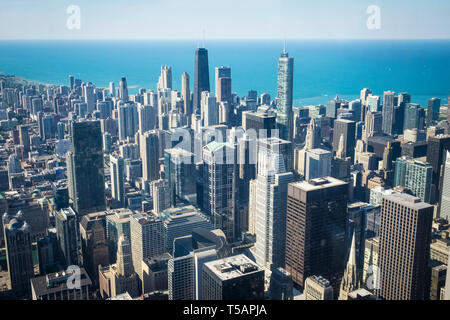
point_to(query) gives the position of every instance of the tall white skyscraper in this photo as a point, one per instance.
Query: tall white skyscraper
(147, 239)
(271, 194)
(89, 97)
(128, 120)
(445, 193)
(146, 118)
(165, 79)
(318, 164)
(112, 89)
(209, 109)
(160, 194)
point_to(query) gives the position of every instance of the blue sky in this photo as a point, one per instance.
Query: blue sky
(224, 19)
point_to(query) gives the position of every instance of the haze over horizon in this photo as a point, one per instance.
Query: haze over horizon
(217, 20)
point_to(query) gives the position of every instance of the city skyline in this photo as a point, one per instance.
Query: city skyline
(157, 170)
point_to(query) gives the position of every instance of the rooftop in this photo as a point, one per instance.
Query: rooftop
(319, 183)
(56, 282)
(233, 267)
(407, 200)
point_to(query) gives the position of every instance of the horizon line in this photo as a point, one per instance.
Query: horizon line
(223, 39)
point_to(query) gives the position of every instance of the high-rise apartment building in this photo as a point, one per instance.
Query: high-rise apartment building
(388, 111)
(147, 239)
(123, 90)
(284, 91)
(403, 256)
(415, 176)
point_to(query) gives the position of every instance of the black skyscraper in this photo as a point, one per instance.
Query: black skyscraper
(201, 75)
(85, 167)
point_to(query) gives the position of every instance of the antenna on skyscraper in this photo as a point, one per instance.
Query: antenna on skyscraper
(203, 38)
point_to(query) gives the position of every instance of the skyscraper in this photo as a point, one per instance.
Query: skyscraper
(94, 243)
(221, 72)
(180, 173)
(444, 206)
(284, 90)
(271, 193)
(388, 111)
(85, 167)
(403, 256)
(24, 138)
(112, 89)
(18, 253)
(186, 95)
(123, 90)
(160, 195)
(117, 180)
(201, 76)
(165, 79)
(436, 152)
(128, 120)
(68, 235)
(233, 278)
(346, 129)
(149, 146)
(146, 118)
(209, 110)
(414, 117)
(434, 106)
(219, 190)
(89, 97)
(315, 229)
(147, 239)
(71, 82)
(415, 176)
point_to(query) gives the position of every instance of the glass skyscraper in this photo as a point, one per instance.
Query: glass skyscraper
(85, 167)
(201, 75)
(284, 89)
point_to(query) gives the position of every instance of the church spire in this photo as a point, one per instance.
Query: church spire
(350, 280)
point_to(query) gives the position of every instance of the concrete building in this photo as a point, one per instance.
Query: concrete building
(318, 288)
(233, 278)
(59, 286)
(403, 256)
